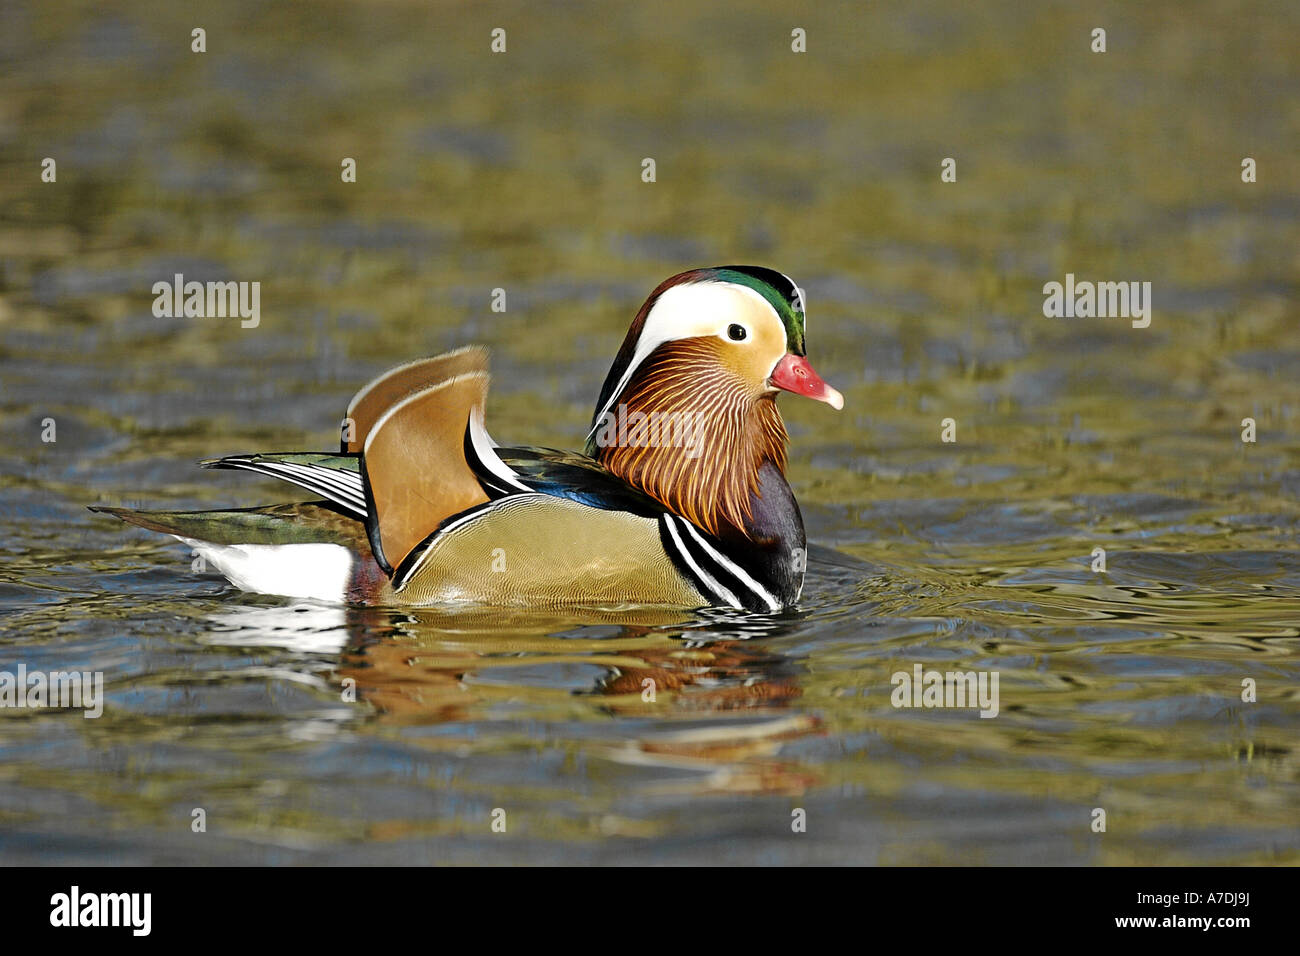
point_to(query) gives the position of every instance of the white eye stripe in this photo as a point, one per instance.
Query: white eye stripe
(686, 311)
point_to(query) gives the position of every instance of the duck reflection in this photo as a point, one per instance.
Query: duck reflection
(709, 693)
(433, 664)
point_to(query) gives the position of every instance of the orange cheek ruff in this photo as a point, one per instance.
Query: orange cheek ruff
(733, 429)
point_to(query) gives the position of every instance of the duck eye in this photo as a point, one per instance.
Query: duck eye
(736, 332)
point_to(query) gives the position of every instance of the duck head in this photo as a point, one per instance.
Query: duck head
(688, 411)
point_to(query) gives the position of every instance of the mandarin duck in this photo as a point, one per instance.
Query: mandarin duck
(679, 497)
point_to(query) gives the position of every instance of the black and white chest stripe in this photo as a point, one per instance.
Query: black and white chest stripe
(714, 574)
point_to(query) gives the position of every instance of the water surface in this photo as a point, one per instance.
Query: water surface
(1120, 691)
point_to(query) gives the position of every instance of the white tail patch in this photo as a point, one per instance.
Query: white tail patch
(318, 571)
